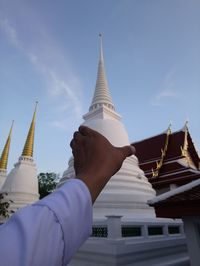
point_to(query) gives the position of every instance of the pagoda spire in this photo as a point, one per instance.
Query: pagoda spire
(28, 147)
(102, 95)
(5, 153)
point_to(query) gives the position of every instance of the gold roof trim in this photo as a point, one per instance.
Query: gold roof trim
(5, 153)
(159, 164)
(29, 144)
(184, 149)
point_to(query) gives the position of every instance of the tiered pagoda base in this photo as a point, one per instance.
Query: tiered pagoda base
(153, 242)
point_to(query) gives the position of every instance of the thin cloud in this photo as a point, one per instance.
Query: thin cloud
(168, 92)
(61, 87)
(9, 31)
(159, 98)
(65, 124)
(48, 61)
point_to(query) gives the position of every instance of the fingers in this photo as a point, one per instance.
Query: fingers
(78, 138)
(86, 131)
(127, 151)
(73, 145)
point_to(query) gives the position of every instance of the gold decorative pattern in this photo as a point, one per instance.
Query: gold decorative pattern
(184, 149)
(185, 144)
(5, 153)
(159, 164)
(28, 147)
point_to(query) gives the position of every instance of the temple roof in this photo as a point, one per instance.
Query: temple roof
(180, 202)
(169, 157)
(153, 152)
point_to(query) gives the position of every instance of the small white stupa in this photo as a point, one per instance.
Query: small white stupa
(4, 159)
(127, 192)
(21, 184)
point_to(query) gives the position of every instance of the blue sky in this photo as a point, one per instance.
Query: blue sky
(49, 53)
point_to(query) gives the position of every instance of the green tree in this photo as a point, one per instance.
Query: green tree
(47, 183)
(4, 205)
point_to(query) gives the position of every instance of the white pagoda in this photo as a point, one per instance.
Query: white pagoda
(127, 192)
(125, 229)
(21, 185)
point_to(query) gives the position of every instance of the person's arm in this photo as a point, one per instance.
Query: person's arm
(50, 231)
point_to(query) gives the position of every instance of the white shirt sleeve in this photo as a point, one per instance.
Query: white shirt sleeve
(50, 231)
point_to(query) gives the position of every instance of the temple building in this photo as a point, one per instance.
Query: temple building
(125, 229)
(4, 159)
(169, 160)
(183, 203)
(21, 185)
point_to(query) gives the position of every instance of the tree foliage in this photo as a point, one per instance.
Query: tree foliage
(4, 206)
(47, 183)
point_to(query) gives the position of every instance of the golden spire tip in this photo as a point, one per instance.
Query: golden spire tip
(5, 153)
(12, 125)
(28, 147)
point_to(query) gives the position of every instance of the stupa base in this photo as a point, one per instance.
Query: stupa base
(142, 242)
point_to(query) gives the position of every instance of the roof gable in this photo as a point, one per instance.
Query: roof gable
(168, 154)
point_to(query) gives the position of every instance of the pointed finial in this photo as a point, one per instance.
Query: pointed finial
(28, 147)
(102, 95)
(169, 130)
(101, 46)
(5, 153)
(185, 127)
(11, 128)
(186, 123)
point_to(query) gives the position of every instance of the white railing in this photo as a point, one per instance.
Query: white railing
(114, 228)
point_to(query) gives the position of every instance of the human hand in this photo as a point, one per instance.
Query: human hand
(96, 159)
